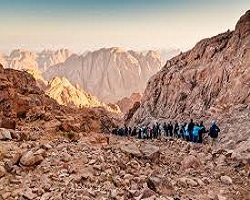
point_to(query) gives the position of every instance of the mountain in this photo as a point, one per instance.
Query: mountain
(23, 59)
(65, 93)
(209, 82)
(109, 73)
(48, 58)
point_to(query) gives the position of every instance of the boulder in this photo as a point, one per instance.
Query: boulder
(131, 149)
(8, 123)
(190, 162)
(5, 134)
(28, 194)
(2, 171)
(150, 151)
(29, 159)
(226, 180)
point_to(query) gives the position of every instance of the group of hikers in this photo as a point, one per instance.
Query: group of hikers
(192, 132)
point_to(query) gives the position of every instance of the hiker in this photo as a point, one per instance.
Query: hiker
(115, 130)
(201, 131)
(158, 130)
(140, 133)
(190, 129)
(165, 128)
(182, 130)
(176, 129)
(120, 131)
(195, 133)
(186, 133)
(155, 131)
(133, 133)
(126, 130)
(213, 132)
(129, 131)
(170, 129)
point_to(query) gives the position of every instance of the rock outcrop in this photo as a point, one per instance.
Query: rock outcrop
(126, 103)
(211, 81)
(65, 93)
(109, 74)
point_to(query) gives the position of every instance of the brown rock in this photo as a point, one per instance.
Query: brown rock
(29, 194)
(190, 162)
(2, 171)
(151, 152)
(29, 159)
(8, 123)
(131, 148)
(226, 180)
(5, 134)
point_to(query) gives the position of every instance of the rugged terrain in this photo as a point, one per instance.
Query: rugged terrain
(22, 103)
(209, 82)
(53, 152)
(54, 167)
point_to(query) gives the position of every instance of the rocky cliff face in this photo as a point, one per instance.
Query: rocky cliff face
(211, 81)
(109, 74)
(65, 93)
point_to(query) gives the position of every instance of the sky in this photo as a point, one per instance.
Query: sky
(82, 25)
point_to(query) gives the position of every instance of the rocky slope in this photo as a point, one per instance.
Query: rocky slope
(100, 167)
(109, 74)
(65, 93)
(211, 81)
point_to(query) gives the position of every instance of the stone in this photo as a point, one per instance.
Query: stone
(154, 183)
(191, 182)
(131, 148)
(2, 171)
(226, 180)
(146, 193)
(150, 151)
(220, 197)
(6, 195)
(65, 157)
(8, 123)
(29, 159)
(212, 195)
(29, 194)
(5, 134)
(190, 162)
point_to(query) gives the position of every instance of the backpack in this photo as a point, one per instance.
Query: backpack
(213, 132)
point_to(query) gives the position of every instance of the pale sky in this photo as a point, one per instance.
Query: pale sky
(133, 24)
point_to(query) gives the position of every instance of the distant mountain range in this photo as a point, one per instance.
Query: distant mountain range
(110, 74)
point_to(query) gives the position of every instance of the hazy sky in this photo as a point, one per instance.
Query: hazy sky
(133, 24)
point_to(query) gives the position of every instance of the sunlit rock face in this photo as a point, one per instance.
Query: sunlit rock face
(65, 93)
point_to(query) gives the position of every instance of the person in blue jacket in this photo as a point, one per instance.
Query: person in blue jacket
(196, 130)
